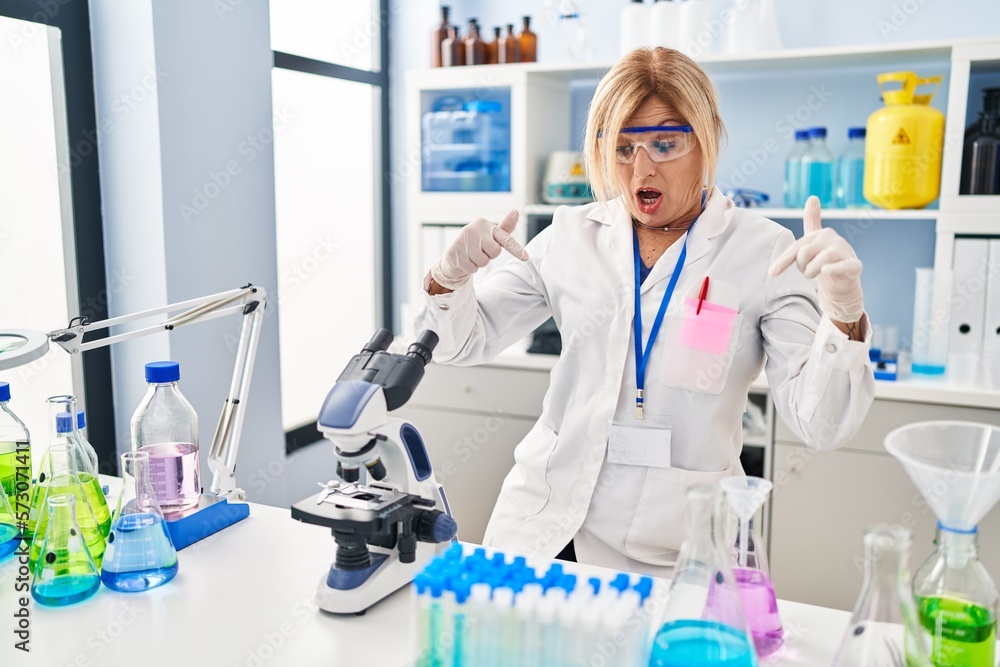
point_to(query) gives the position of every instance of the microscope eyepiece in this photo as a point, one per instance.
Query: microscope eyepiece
(423, 346)
(380, 342)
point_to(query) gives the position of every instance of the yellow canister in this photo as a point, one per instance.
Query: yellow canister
(903, 145)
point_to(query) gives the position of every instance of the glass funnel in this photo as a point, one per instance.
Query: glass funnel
(956, 466)
(884, 629)
(69, 435)
(140, 554)
(61, 477)
(703, 623)
(65, 573)
(746, 497)
(10, 533)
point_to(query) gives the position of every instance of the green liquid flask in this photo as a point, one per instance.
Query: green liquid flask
(140, 554)
(15, 454)
(83, 457)
(884, 626)
(10, 530)
(61, 477)
(957, 600)
(65, 573)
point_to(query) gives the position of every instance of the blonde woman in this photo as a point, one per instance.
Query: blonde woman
(670, 301)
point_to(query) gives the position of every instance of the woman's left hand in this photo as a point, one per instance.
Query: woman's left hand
(823, 254)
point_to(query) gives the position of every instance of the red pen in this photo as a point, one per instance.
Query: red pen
(702, 294)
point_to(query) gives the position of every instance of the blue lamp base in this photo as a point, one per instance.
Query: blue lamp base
(212, 515)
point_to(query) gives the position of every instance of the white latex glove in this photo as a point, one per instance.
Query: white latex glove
(479, 242)
(823, 254)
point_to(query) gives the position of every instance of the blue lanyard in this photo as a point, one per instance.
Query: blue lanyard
(642, 358)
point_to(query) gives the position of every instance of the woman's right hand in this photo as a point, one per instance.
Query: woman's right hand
(479, 242)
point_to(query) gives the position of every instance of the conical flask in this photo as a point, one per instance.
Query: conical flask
(65, 573)
(884, 629)
(703, 621)
(140, 554)
(746, 497)
(10, 533)
(70, 435)
(61, 477)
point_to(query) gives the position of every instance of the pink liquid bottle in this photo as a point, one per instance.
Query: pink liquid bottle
(166, 427)
(746, 496)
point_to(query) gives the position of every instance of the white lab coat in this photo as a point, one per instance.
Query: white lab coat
(581, 272)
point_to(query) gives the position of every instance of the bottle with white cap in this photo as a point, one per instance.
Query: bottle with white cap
(665, 24)
(634, 26)
(166, 426)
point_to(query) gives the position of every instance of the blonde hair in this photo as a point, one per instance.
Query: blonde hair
(658, 72)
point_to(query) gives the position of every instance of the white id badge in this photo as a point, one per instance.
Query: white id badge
(644, 442)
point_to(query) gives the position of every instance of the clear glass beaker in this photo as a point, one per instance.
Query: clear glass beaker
(703, 622)
(140, 554)
(66, 572)
(884, 629)
(68, 434)
(957, 601)
(746, 497)
(61, 477)
(10, 533)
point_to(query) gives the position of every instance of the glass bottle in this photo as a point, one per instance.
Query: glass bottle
(452, 49)
(981, 153)
(529, 42)
(794, 195)
(509, 50)
(703, 622)
(957, 601)
(140, 554)
(81, 438)
(61, 476)
(66, 573)
(884, 629)
(850, 190)
(746, 497)
(10, 527)
(475, 47)
(15, 452)
(166, 426)
(438, 35)
(83, 455)
(817, 168)
(493, 48)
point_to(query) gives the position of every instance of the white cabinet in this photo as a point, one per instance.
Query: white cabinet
(822, 502)
(471, 419)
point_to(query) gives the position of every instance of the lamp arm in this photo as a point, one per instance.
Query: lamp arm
(250, 301)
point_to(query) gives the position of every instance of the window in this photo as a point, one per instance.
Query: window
(330, 96)
(51, 237)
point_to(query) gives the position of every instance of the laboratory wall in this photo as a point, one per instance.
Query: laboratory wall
(185, 116)
(834, 101)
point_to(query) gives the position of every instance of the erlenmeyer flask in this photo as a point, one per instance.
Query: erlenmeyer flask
(69, 435)
(703, 622)
(10, 534)
(746, 496)
(884, 629)
(957, 601)
(61, 477)
(65, 573)
(140, 554)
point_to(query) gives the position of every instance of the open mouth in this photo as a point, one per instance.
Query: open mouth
(648, 199)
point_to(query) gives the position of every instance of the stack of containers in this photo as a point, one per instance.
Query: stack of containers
(478, 610)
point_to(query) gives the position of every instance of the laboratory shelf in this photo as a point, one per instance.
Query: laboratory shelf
(851, 214)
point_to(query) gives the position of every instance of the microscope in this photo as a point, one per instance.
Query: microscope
(387, 530)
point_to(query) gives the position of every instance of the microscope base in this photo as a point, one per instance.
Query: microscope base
(371, 585)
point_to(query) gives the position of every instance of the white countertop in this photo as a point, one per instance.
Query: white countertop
(243, 598)
(908, 388)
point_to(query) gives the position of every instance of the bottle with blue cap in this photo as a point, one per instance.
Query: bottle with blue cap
(850, 190)
(166, 426)
(794, 194)
(817, 168)
(15, 452)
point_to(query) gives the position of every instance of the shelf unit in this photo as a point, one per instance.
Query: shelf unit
(542, 115)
